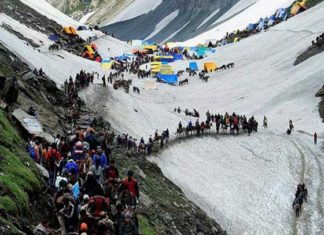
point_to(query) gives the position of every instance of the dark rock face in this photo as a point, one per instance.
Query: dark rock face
(195, 11)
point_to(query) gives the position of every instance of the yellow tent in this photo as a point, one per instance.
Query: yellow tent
(89, 49)
(158, 58)
(69, 31)
(210, 66)
(166, 69)
(151, 47)
(155, 67)
(106, 65)
(295, 9)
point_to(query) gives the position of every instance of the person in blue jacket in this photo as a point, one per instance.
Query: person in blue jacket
(100, 155)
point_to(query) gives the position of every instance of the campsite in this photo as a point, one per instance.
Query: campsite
(161, 117)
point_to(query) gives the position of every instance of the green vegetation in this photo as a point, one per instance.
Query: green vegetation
(145, 227)
(18, 173)
(7, 204)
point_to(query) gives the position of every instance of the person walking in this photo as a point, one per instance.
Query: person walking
(315, 138)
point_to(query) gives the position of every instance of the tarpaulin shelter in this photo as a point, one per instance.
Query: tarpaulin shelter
(193, 66)
(251, 27)
(272, 20)
(281, 14)
(164, 58)
(122, 58)
(166, 69)
(106, 64)
(82, 27)
(168, 78)
(178, 57)
(155, 67)
(298, 7)
(70, 30)
(210, 66)
(261, 25)
(151, 47)
(53, 37)
(88, 52)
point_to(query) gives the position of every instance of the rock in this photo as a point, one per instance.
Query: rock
(320, 93)
(9, 89)
(42, 170)
(140, 172)
(176, 204)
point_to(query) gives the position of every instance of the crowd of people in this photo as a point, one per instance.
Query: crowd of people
(90, 197)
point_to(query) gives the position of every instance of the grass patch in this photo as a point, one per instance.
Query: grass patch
(18, 176)
(144, 226)
(7, 204)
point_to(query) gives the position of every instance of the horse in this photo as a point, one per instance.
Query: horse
(180, 131)
(180, 72)
(185, 81)
(205, 78)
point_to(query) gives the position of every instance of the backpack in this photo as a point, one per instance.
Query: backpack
(31, 151)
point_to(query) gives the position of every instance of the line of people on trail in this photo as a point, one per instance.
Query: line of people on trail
(193, 113)
(89, 195)
(71, 89)
(224, 123)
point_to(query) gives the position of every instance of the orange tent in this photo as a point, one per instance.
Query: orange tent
(210, 66)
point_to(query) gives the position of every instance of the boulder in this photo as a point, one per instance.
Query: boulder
(320, 93)
(9, 89)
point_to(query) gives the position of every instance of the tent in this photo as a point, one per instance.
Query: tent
(210, 66)
(281, 14)
(82, 27)
(122, 58)
(261, 25)
(151, 47)
(106, 64)
(298, 7)
(193, 66)
(251, 27)
(164, 58)
(155, 67)
(69, 31)
(166, 69)
(236, 39)
(272, 20)
(149, 85)
(178, 57)
(168, 78)
(53, 37)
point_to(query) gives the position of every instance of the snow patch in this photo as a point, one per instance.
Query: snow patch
(208, 18)
(163, 23)
(135, 9)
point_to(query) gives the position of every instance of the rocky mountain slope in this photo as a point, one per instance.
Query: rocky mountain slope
(22, 49)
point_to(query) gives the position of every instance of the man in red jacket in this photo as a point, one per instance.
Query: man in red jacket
(131, 184)
(53, 157)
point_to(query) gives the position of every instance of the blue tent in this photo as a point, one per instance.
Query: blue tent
(178, 57)
(168, 78)
(272, 20)
(193, 66)
(261, 25)
(166, 60)
(282, 13)
(53, 37)
(251, 27)
(120, 58)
